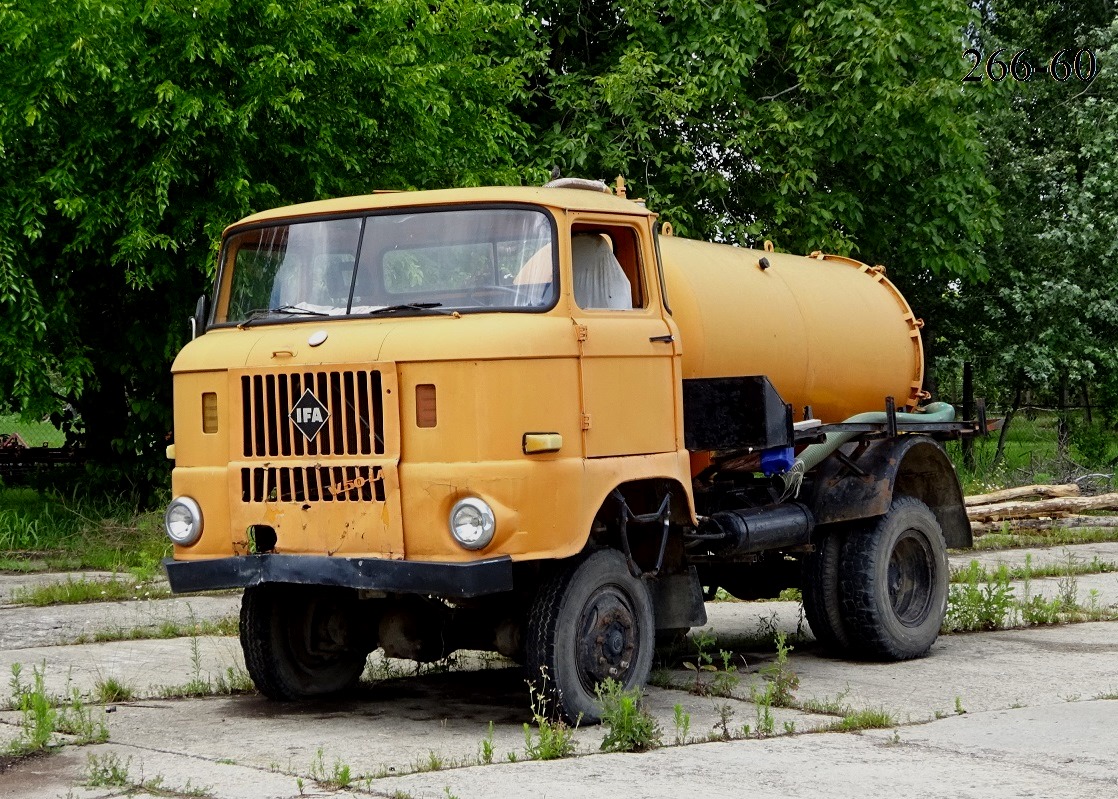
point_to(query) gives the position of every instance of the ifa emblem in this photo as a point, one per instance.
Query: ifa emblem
(309, 415)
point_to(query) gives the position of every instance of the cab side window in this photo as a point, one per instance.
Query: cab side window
(606, 268)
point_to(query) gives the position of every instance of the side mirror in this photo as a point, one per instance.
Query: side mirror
(198, 321)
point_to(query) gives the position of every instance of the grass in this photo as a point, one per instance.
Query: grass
(44, 529)
(34, 434)
(1031, 453)
(226, 626)
(71, 591)
(1072, 565)
(1057, 536)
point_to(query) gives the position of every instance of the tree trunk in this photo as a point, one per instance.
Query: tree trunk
(1039, 525)
(1023, 492)
(999, 453)
(1044, 507)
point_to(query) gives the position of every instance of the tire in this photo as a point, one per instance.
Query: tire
(591, 621)
(300, 641)
(822, 599)
(893, 582)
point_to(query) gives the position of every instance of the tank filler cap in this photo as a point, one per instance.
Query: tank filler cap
(764, 264)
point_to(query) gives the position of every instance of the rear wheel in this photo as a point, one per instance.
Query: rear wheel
(301, 641)
(822, 602)
(893, 581)
(591, 621)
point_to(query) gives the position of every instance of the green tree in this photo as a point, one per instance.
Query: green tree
(1046, 323)
(832, 125)
(131, 132)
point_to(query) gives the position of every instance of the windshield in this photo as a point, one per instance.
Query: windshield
(429, 261)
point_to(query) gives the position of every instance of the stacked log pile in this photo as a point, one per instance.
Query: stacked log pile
(1039, 507)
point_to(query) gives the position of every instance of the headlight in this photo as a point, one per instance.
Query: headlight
(472, 523)
(183, 521)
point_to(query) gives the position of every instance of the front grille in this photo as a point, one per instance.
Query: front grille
(312, 484)
(354, 420)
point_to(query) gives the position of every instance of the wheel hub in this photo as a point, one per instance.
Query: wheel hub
(911, 579)
(607, 638)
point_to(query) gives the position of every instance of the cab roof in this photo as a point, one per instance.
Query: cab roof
(557, 198)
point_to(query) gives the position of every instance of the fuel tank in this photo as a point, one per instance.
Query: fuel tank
(828, 331)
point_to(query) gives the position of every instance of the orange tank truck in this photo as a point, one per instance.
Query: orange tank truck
(529, 420)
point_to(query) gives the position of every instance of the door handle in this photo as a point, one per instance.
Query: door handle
(666, 339)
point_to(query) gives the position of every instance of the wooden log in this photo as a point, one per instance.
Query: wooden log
(1044, 525)
(1043, 507)
(1023, 492)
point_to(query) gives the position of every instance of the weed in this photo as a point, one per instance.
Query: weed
(338, 778)
(722, 682)
(976, 606)
(827, 707)
(447, 793)
(107, 771)
(959, 709)
(867, 719)
(38, 716)
(553, 739)
(791, 595)
(682, 724)
(1108, 695)
(486, 749)
(630, 727)
(433, 762)
(764, 714)
(783, 682)
(789, 728)
(110, 689)
(74, 718)
(722, 726)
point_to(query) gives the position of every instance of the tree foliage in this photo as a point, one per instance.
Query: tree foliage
(131, 132)
(1047, 321)
(828, 125)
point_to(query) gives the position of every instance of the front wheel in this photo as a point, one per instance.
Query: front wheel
(894, 583)
(301, 641)
(590, 622)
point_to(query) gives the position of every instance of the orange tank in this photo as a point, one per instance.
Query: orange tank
(828, 331)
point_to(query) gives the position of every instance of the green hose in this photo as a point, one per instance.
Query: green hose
(813, 455)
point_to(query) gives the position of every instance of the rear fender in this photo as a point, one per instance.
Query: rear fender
(913, 466)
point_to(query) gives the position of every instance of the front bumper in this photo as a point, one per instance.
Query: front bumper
(464, 580)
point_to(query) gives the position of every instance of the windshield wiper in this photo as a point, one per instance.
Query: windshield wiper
(408, 306)
(291, 310)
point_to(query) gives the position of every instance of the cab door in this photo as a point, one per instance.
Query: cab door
(627, 346)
